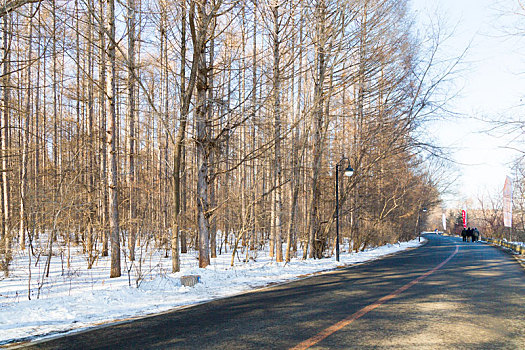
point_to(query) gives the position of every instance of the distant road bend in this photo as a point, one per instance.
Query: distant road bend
(447, 294)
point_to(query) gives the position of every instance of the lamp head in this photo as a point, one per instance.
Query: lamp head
(349, 171)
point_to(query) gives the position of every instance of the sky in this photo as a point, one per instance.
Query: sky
(489, 86)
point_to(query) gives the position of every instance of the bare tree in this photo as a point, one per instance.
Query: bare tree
(112, 146)
(131, 127)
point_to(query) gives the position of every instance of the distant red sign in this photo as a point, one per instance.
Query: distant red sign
(464, 215)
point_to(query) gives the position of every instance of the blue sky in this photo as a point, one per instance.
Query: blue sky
(490, 86)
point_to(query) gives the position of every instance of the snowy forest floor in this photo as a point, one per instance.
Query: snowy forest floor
(75, 298)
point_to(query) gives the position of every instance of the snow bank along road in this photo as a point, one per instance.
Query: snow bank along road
(446, 294)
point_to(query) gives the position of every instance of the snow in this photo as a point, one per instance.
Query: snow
(519, 243)
(75, 298)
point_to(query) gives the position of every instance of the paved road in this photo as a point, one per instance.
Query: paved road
(445, 295)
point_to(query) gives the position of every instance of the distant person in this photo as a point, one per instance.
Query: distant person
(464, 234)
(475, 234)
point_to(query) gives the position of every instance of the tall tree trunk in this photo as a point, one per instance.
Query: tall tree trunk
(179, 141)
(91, 132)
(112, 145)
(203, 141)
(253, 124)
(104, 207)
(131, 126)
(278, 206)
(56, 137)
(318, 146)
(202, 163)
(163, 128)
(4, 134)
(25, 142)
(37, 133)
(209, 127)
(296, 165)
(356, 220)
(199, 24)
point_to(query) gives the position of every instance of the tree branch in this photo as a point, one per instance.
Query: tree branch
(13, 5)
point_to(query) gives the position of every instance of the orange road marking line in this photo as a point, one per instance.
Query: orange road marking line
(345, 322)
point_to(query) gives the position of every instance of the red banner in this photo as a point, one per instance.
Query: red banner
(464, 215)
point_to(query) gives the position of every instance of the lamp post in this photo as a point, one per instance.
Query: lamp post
(348, 172)
(424, 210)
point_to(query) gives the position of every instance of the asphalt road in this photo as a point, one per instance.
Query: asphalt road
(447, 294)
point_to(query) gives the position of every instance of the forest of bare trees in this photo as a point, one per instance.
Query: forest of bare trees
(210, 125)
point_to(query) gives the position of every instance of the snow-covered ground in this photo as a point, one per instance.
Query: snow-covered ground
(519, 243)
(74, 298)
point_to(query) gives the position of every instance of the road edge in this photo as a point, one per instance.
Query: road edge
(25, 342)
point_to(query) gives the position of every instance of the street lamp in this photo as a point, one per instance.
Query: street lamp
(424, 210)
(348, 172)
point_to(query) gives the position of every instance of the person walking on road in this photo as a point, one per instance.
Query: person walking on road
(475, 234)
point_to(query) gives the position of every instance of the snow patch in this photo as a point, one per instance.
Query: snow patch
(75, 297)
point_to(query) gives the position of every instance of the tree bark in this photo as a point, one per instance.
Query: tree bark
(112, 145)
(25, 142)
(202, 139)
(104, 207)
(179, 144)
(318, 142)
(131, 120)
(4, 134)
(209, 127)
(278, 206)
